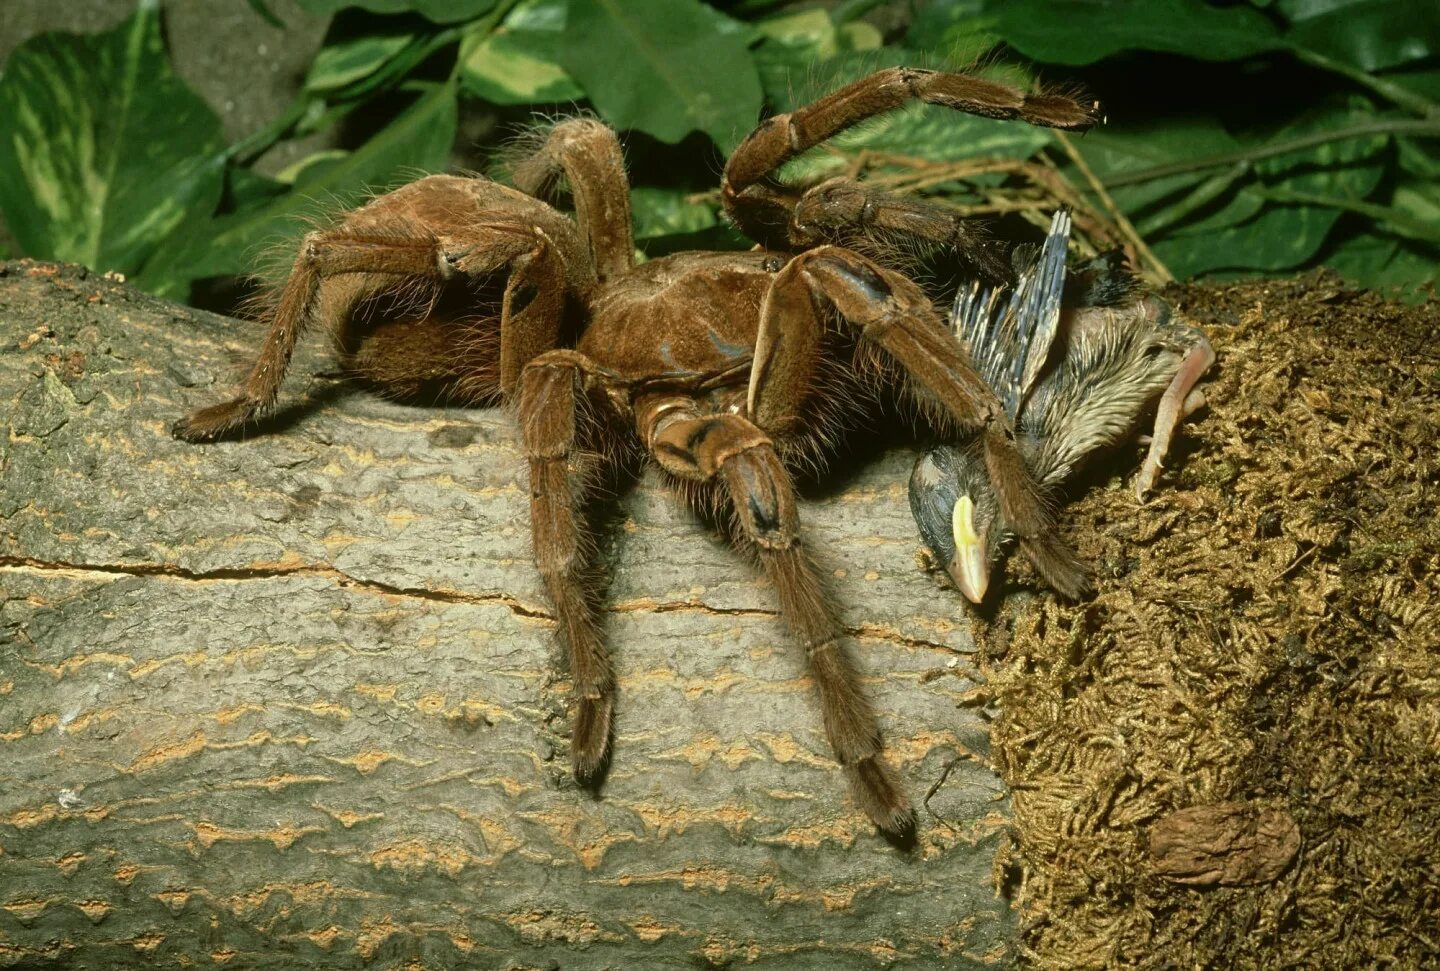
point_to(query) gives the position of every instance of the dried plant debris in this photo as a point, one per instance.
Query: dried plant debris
(1260, 671)
(1228, 844)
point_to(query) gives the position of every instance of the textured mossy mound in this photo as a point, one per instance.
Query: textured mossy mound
(1267, 634)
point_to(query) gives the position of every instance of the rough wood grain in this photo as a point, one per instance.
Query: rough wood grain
(290, 701)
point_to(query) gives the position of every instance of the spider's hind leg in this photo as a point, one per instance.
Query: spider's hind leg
(731, 452)
(324, 254)
(379, 275)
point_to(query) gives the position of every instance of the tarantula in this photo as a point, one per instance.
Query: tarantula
(726, 369)
(1077, 361)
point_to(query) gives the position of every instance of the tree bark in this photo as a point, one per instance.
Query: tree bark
(293, 701)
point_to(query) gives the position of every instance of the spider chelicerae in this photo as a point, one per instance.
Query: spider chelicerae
(727, 370)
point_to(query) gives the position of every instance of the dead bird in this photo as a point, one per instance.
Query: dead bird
(1079, 360)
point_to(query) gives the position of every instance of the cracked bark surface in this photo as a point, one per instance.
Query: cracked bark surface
(292, 701)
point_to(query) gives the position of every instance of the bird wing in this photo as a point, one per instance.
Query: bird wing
(1009, 330)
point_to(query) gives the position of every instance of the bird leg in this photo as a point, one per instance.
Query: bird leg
(1180, 399)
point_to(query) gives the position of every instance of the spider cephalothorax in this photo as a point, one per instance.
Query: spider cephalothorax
(724, 369)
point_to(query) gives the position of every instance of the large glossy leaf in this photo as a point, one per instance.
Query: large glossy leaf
(418, 140)
(1386, 263)
(1262, 227)
(517, 63)
(794, 45)
(439, 11)
(103, 151)
(1116, 150)
(1370, 34)
(339, 64)
(958, 30)
(1085, 31)
(664, 67)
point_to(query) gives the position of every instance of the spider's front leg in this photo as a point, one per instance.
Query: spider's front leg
(892, 313)
(862, 218)
(552, 420)
(761, 206)
(731, 452)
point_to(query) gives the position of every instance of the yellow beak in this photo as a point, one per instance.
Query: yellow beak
(968, 569)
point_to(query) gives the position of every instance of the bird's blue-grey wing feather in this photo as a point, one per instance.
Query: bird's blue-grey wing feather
(1009, 331)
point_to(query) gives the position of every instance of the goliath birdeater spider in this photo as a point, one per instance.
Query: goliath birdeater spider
(728, 370)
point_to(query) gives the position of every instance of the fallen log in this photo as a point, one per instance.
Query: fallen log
(293, 700)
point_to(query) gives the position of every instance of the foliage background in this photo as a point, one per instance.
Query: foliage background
(1244, 138)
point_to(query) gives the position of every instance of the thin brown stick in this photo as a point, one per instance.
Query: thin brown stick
(1144, 251)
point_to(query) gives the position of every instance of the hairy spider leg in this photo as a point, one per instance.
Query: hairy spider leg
(533, 308)
(844, 211)
(412, 241)
(732, 453)
(761, 206)
(322, 254)
(553, 413)
(892, 313)
(587, 153)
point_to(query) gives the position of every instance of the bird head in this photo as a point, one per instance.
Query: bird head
(959, 515)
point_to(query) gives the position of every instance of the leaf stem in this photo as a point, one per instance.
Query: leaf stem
(1402, 221)
(1397, 93)
(1119, 216)
(1422, 127)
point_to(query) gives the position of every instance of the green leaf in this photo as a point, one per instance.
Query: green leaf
(1420, 202)
(664, 67)
(1252, 231)
(1279, 238)
(1418, 157)
(960, 31)
(1085, 31)
(517, 63)
(438, 11)
(794, 44)
(1385, 263)
(1113, 151)
(103, 151)
(350, 60)
(1371, 34)
(419, 139)
(666, 212)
